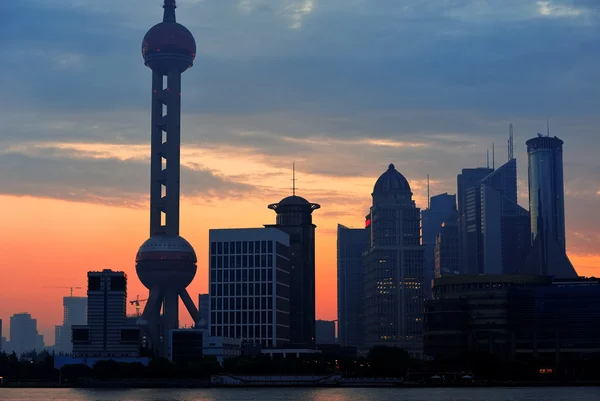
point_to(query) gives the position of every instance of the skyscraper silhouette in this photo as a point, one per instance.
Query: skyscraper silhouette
(393, 267)
(294, 217)
(547, 208)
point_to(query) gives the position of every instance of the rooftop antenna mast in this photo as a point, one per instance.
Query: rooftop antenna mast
(487, 155)
(547, 127)
(294, 178)
(493, 157)
(511, 154)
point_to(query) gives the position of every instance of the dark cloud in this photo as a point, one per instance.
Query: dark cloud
(66, 175)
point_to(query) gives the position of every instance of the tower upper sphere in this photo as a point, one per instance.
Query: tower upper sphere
(169, 44)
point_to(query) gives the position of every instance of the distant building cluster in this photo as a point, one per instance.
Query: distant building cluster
(468, 271)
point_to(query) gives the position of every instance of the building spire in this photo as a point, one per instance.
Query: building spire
(547, 127)
(169, 14)
(294, 178)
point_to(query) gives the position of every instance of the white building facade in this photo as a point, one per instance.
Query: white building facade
(249, 289)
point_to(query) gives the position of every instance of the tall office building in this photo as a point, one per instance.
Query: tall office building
(107, 333)
(447, 250)
(492, 226)
(393, 267)
(204, 309)
(294, 217)
(547, 208)
(442, 208)
(469, 223)
(74, 313)
(24, 336)
(351, 243)
(249, 282)
(503, 241)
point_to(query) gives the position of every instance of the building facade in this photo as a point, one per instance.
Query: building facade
(559, 322)
(106, 333)
(204, 309)
(325, 332)
(294, 217)
(469, 221)
(447, 250)
(249, 283)
(351, 243)
(393, 274)
(470, 314)
(442, 209)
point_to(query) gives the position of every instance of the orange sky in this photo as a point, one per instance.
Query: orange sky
(54, 242)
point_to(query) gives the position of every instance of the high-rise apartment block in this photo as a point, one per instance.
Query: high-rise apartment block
(249, 278)
(107, 333)
(351, 243)
(393, 267)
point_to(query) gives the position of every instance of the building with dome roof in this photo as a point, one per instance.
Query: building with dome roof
(393, 267)
(294, 217)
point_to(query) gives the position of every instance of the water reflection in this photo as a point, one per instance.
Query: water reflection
(300, 394)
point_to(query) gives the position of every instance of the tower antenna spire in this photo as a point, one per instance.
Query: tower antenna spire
(169, 14)
(294, 178)
(493, 157)
(511, 154)
(547, 127)
(487, 155)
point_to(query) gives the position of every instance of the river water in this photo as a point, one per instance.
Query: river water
(305, 394)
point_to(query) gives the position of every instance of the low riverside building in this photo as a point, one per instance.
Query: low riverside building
(514, 317)
(189, 345)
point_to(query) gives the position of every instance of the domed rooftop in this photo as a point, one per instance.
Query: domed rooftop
(293, 200)
(391, 181)
(165, 247)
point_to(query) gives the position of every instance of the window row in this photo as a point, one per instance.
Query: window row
(243, 289)
(239, 303)
(251, 317)
(241, 261)
(239, 247)
(240, 275)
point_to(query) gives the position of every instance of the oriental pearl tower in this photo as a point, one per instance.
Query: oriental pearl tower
(166, 262)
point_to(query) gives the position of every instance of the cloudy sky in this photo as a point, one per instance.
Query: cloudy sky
(342, 87)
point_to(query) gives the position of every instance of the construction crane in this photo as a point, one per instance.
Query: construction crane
(60, 286)
(136, 302)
